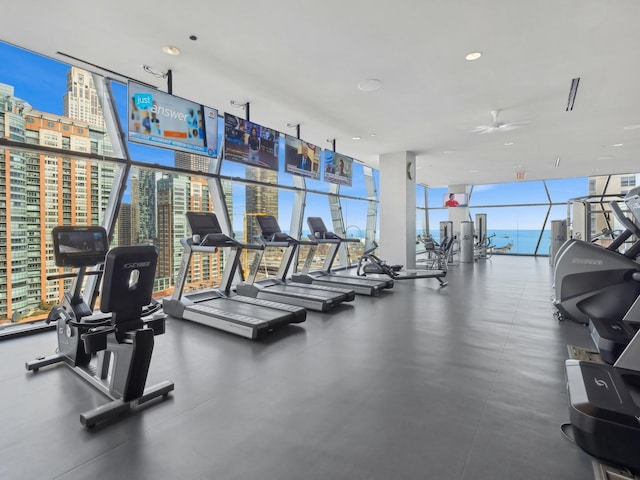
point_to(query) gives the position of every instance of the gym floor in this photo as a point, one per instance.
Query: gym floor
(464, 382)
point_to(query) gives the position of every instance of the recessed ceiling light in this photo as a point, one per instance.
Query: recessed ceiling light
(170, 50)
(473, 56)
(372, 135)
(508, 144)
(356, 138)
(369, 84)
(617, 144)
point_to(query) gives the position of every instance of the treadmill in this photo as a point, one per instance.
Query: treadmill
(218, 308)
(277, 288)
(362, 286)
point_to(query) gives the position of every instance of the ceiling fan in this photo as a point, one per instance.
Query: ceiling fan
(498, 125)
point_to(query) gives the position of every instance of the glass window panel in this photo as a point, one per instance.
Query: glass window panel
(516, 230)
(562, 190)
(44, 191)
(357, 188)
(435, 196)
(316, 206)
(516, 193)
(355, 222)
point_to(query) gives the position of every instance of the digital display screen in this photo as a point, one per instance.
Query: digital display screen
(79, 246)
(455, 200)
(302, 158)
(268, 224)
(250, 143)
(337, 168)
(161, 120)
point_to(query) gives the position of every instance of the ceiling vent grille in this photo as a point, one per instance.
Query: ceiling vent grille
(573, 91)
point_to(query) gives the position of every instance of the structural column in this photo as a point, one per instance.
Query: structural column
(398, 208)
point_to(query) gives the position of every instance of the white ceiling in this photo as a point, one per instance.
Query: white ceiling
(299, 61)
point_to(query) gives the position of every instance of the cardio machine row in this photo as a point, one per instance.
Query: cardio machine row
(257, 307)
(600, 287)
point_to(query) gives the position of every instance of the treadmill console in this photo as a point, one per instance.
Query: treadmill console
(270, 229)
(203, 223)
(319, 230)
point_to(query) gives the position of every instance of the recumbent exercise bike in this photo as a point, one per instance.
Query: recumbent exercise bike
(112, 348)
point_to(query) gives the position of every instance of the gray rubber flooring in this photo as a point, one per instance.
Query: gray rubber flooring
(464, 382)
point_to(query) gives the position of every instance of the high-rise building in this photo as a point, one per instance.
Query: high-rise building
(14, 248)
(259, 200)
(127, 225)
(188, 161)
(40, 192)
(81, 100)
(204, 270)
(143, 202)
(172, 191)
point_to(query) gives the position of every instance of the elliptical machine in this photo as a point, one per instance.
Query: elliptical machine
(591, 281)
(110, 349)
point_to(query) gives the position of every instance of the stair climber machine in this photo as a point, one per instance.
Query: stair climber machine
(110, 348)
(320, 235)
(218, 307)
(591, 281)
(278, 288)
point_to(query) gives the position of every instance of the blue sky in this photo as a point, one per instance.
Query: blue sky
(26, 71)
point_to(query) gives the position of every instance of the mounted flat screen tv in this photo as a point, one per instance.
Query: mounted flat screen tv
(161, 120)
(302, 158)
(337, 168)
(455, 200)
(250, 143)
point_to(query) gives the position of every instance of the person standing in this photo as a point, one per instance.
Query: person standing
(254, 146)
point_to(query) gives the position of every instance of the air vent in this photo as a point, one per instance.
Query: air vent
(573, 91)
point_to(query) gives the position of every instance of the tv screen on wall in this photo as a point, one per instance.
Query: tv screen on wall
(302, 158)
(161, 120)
(455, 200)
(337, 168)
(250, 143)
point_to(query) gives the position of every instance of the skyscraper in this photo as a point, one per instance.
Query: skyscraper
(81, 100)
(14, 248)
(127, 225)
(172, 226)
(260, 200)
(143, 201)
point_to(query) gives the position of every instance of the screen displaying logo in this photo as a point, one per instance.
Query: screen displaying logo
(162, 120)
(143, 100)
